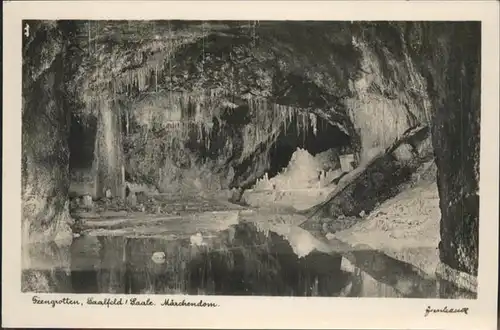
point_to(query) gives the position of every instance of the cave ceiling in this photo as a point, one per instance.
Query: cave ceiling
(307, 65)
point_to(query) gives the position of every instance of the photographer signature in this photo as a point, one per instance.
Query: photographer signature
(445, 310)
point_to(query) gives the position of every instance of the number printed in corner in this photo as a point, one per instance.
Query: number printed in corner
(27, 30)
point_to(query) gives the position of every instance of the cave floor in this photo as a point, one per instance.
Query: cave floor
(405, 227)
(299, 199)
(232, 250)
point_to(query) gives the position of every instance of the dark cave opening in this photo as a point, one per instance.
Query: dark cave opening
(81, 144)
(325, 138)
(274, 158)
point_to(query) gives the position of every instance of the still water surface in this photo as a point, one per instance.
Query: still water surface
(240, 260)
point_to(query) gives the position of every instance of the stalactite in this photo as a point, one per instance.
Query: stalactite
(305, 127)
(314, 123)
(291, 114)
(266, 117)
(199, 131)
(284, 112)
(127, 124)
(96, 36)
(295, 121)
(156, 78)
(203, 51)
(199, 113)
(89, 33)
(129, 82)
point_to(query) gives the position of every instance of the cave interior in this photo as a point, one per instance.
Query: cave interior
(213, 111)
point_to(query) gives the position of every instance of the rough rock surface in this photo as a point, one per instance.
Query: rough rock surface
(45, 130)
(455, 73)
(215, 101)
(47, 99)
(370, 184)
(405, 227)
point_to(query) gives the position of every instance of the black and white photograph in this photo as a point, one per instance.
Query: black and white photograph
(197, 158)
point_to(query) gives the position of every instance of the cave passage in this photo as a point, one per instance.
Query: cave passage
(81, 144)
(326, 137)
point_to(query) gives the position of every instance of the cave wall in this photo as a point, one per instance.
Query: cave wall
(451, 61)
(189, 142)
(45, 131)
(357, 76)
(388, 94)
(169, 143)
(362, 79)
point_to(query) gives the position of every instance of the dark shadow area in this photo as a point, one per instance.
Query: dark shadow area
(257, 264)
(82, 142)
(326, 137)
(54, 280)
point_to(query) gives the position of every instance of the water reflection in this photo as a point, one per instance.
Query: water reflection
(244, 259)
(239, 261)
(46, 268)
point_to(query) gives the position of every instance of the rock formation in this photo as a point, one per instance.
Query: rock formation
(199, 107)
(454, 73)
(48, 68)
